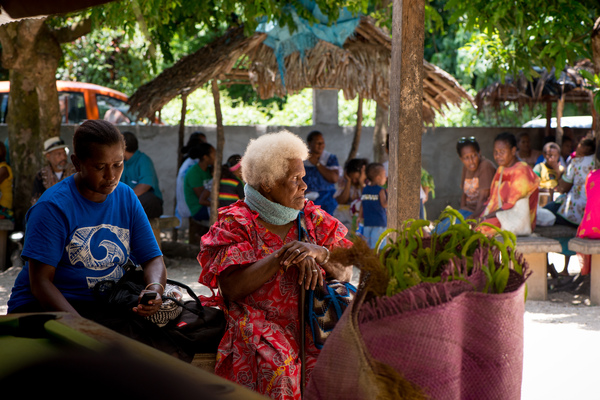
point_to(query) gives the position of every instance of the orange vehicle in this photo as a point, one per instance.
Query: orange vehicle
(80, 101)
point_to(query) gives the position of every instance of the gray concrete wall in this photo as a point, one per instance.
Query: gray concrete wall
(438, 151)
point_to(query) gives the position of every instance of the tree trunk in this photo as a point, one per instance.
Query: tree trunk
(380, 134)
(406, 111)
(214, 195)
(357, 130)
(32, 54)
(596, 61)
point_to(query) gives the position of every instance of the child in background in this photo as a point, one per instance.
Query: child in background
(373, 204)
(549, 172)
(231, 185)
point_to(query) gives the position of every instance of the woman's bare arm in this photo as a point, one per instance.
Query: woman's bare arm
(237, 282)
(41, 278)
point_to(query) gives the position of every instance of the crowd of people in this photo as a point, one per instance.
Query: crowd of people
(284, 205)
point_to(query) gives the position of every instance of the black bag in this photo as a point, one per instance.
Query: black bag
(198, 329)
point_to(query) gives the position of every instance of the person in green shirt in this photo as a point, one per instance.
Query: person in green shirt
(195, 180)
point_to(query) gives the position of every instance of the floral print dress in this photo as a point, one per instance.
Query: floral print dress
(508, 186)
(574, 202)
(260, 349)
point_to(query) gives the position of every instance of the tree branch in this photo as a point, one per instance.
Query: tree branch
(71, 33)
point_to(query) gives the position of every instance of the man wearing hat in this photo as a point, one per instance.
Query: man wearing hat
(57, 168)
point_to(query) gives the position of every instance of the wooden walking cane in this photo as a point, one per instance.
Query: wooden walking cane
(301, 302)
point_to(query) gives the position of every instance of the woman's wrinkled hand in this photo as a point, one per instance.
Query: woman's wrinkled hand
(309, 273)
(145, 310)
(302, 255)
(294, 252)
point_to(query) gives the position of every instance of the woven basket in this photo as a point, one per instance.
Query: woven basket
(438, 341)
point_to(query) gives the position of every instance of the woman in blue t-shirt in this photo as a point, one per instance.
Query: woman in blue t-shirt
(82, 231)
(322, 173)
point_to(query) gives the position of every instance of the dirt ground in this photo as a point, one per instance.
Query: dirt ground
(562, 335)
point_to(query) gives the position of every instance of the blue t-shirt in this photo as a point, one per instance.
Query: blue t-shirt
(373, 212)
(140, 169)
(315, 182)
(87, 242)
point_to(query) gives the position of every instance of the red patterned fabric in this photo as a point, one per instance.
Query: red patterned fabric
(260, 349)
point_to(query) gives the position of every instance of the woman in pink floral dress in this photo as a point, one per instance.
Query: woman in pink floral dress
(252, 255)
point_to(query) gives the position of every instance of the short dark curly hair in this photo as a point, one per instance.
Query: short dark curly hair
(95, 131)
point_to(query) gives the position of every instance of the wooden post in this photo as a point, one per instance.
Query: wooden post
(380, 134)
(548, 119)
(214, 194)
(560, 106)
(181, 131)
(357, 130)
(406, 111)
(179, 155)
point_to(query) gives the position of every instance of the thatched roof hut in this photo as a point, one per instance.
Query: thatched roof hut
(570, 87)
(361, 67)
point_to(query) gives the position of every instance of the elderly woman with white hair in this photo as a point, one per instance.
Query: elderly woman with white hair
(254, 257)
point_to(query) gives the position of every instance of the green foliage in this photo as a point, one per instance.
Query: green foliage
(516, 36)
(413, 257)
(296, 111)
(245, 95)
(594, 86)
(165, 19)
(107, 57)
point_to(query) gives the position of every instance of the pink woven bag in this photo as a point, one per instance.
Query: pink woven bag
(437, 341)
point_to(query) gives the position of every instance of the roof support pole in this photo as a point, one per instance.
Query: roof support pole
(181, 131)
(406, 111)
(214, 194)
(560, 106)
(179, 152)
(548, 119)
(380, 134)
(357, 129)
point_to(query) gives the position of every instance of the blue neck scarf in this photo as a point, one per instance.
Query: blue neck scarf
(273, 213)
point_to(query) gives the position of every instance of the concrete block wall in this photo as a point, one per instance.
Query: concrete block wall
(439, 155)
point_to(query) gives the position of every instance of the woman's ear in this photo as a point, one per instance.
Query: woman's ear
(265, 188)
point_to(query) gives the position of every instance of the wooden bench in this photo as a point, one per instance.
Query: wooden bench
(535, 249)
(205, 361)
(163, 222)
(562, 233)
(555, 231)
(5, 227)
(591, 247)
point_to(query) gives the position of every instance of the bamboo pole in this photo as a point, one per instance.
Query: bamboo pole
(214, 194)
(357, 129)
(560, 106)
(406, 110)
(380, 133)
(181, 131)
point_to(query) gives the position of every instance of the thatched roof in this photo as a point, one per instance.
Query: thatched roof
(362, 67)
(546, 88)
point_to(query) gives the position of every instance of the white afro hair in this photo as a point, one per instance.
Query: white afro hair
(266, 158)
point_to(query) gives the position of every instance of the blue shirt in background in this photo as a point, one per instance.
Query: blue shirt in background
(140, 169)
(315, 182)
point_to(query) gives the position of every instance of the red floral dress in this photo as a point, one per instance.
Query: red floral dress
(260, 349)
